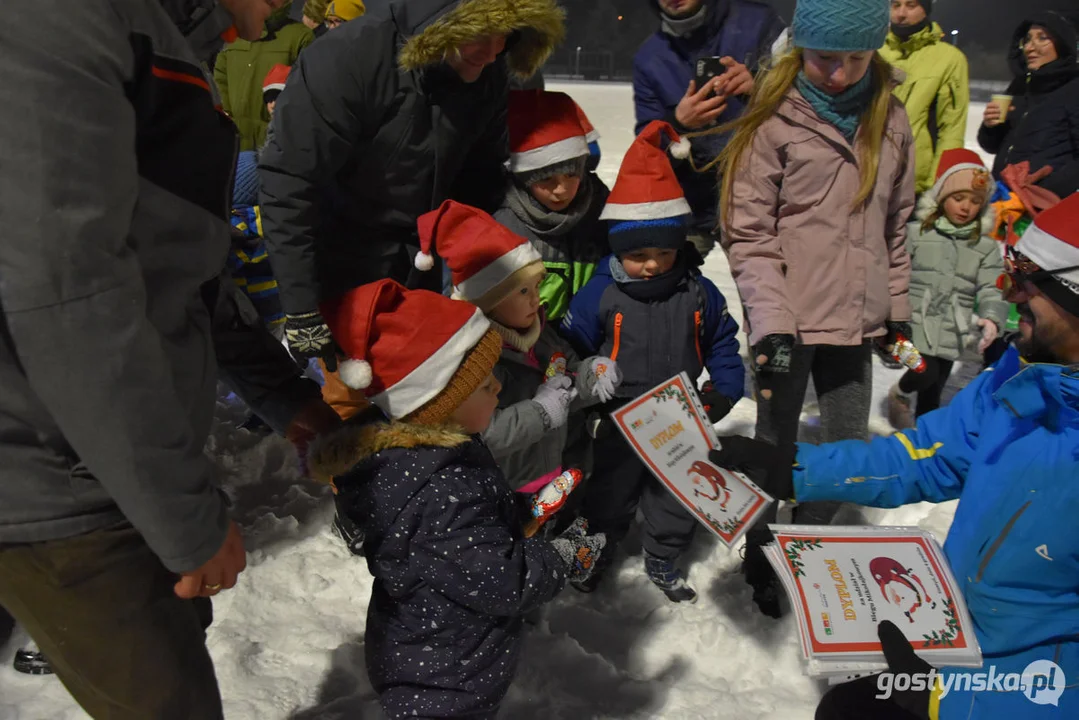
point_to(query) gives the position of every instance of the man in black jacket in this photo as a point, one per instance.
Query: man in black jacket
(115, 318)
(380, 122)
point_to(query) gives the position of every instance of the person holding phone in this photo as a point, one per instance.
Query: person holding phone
(696, 72)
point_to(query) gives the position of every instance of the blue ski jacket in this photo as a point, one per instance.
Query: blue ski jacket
(1008, 448)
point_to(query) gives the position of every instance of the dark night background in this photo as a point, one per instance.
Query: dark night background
(607, 43)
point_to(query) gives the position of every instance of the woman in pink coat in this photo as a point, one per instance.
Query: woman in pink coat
(818, 183)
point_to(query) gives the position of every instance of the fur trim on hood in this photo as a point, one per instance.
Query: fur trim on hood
(338, 452)
(536, 27)
(927, 206)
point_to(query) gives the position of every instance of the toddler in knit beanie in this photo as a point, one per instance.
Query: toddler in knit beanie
(443, 534)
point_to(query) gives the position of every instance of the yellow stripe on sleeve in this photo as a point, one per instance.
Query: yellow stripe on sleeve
(917, 453)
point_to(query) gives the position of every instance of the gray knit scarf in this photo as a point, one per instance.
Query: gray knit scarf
(544, 221)
(684, 26)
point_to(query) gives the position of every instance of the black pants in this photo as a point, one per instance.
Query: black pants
(620, 482)
(856, 700)
(843, 378)
(929, 384)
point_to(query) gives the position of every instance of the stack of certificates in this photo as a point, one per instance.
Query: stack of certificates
(844, 581)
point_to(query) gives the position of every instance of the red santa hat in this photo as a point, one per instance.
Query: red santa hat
(275, 79)
(487, 260)
(961, 169)
(647, 207)
(1052, 242)
(413, 352)
(545, 131)
(591, 135)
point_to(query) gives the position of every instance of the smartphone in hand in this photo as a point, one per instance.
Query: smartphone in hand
(708, 68)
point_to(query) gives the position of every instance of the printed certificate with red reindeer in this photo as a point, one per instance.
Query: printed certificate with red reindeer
(669, 429)
(844, 581)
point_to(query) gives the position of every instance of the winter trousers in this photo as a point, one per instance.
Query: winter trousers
(856, 700)
(843, 378)
(929, 384)
(620, 482)
(102, 610)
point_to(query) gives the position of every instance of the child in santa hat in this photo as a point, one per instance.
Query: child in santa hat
(651, 312)
(552, 199)
(501, 273)
(953, 282)
(453, 571)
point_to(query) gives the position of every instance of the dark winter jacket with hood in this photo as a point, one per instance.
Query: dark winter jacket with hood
(1044, 126)
(453, 571)
(655, 329)
(374, 129)
(112, 297)
(663, 66)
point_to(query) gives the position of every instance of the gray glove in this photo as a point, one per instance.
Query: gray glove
(554, 398)
(579, 550)
(600, 378)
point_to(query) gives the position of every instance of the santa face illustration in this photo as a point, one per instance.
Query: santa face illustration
(900, 586)
(701, 473)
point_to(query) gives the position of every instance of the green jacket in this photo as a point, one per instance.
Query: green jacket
(241, 68)
(936, 94)
(951, 280)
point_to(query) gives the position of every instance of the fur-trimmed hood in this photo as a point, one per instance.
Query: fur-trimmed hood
(337, 453)
(927, 205)
(434, 28)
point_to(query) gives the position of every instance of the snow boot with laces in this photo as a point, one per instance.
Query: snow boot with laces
(668, 578)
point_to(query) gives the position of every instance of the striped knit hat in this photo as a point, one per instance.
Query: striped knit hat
(647, 207)
(841, 25)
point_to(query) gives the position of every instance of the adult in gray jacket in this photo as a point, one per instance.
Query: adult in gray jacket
(113, 198)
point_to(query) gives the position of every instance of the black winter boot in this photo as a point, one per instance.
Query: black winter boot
(30, 661)
(668, 578)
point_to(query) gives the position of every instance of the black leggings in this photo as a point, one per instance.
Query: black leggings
(929, 384)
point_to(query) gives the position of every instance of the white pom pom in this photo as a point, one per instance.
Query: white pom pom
(355, 373)
(424, 262)
(680, 149)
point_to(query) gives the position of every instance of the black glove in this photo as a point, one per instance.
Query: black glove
(715, 404)
(772, 358)
(761, 461)
(308, 336)
(901, 659)
(894, 330)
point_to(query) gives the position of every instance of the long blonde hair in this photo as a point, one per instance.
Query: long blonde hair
(771, 87)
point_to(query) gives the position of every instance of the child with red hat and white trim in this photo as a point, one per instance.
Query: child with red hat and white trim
(650, 314)
(552, 200)
(453, 571)
(955, 266)
(501, 273)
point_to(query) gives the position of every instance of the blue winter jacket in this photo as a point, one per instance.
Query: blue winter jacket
(686, 329)
(1008, 447)
(663, 66)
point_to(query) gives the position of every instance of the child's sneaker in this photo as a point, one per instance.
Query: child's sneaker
(30, 661)
(669, 579)
(900, 408)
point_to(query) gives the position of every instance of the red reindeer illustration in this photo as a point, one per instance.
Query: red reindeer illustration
(701, 470)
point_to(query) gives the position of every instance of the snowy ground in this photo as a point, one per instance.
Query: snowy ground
(288, 640)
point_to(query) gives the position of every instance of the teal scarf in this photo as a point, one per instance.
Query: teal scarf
(843, 110)
(966, 232)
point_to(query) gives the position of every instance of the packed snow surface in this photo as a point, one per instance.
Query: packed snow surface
(288, 640)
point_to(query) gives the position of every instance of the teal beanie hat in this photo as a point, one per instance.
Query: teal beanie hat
(841, 25)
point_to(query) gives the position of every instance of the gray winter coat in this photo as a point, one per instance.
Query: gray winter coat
(517, 436)
(112, 297)
(951, 280)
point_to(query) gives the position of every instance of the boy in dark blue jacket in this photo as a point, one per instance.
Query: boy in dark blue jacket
(443, 533)
(649, 315)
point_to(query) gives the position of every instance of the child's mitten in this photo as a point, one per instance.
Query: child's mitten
(579, 550)
(990, 332)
